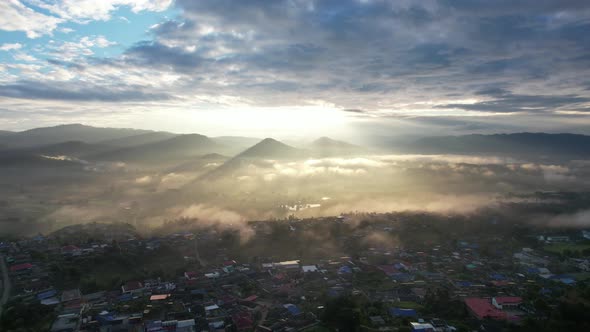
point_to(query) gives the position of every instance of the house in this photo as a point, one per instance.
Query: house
(309, 268)
(422, 327)
(506, 302)
(132, 287)
(71, 295)
(243, 321)
(47, 294)
(294, 264)
(159, 297)
(187, 325)
(65, 323)
(212, 310)
(399, 312)
(71, 250)
(21, 267)
(345, 269)
(483, 308)
(293, 309)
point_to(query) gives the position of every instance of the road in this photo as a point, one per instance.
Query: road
(5, 283)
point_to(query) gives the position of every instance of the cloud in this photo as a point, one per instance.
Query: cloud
(500, 65)
(21, 56)
(42, 91)
(9, 47)
(213, 216)
(580, 219)
(22, 15)
(504, 101)
(82, 10)
(18, 17)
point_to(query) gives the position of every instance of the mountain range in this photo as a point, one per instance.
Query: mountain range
(152, 147)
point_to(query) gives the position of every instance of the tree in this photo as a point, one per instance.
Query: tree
(342, 314)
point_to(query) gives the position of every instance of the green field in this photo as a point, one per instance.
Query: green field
(559, 248)
(409, 305)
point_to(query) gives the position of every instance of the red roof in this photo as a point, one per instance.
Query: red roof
(20, 267)
(159, 297)
(508, 300)
(69, 248)
(251, 298)
(483, 308)
(243, 321)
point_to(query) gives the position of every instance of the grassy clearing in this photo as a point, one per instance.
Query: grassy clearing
(409, 305)
(559, 248)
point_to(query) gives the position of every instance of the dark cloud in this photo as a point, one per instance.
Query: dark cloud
(156, 54)
(504, 101)
(377, 49)
(37, 90)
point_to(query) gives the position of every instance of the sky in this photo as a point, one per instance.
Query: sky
(297, 67)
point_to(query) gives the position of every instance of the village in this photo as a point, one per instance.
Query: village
(386, 273)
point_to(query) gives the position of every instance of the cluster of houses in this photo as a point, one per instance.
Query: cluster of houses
(290, 294)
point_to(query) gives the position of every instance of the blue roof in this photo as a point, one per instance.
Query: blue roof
(463, 283)
(497, 276)
(126, 297)
(46, 294)
(402, 312)
(345, 269)
(567, 281)
(292, 309)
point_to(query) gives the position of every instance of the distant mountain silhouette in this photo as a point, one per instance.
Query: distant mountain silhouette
(237, 143)
(71, 148)
(268, 148)
(141, 139)
(173, 149)
(64, 133)
(198, 163)
(326, 147)
(22, 160)
(520, 144)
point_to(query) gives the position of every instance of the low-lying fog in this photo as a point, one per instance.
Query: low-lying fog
(260, 189)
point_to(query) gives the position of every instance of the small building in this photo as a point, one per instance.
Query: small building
(71, 295)
(399, 312)
(21, 267)
(309, 268)
(422, 327)
(132, 287)
(506, 302)
(483, 308)
(293, 309)
(66, 323)
(294, 264)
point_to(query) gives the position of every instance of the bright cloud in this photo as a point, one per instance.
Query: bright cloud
(9, 47)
